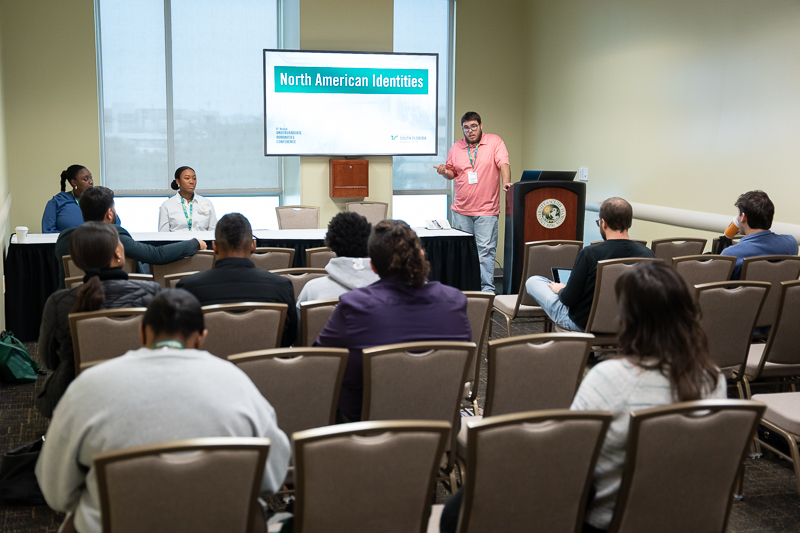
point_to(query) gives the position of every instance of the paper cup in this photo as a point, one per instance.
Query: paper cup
(22, 234)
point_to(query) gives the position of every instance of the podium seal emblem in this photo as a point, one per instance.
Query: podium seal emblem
(551, 213)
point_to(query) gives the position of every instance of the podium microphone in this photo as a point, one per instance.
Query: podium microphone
(733, 228)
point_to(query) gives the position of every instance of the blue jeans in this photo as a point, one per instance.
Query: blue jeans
(548, 300)
(484, 229)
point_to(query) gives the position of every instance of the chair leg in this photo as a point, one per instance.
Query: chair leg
(740, 389)
(747, 391)
(508, 325)
(738, 486)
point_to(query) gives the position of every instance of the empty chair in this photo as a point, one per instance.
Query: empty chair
(171, 280)
(728, 315)
(300, 276)
(773, 269)
(101, 335)
(297, 217)
(319, 257)
(244, 327)
(367, 476)
(209, 484)
(681, 466)
(479, 313)
(532, 468)
(273, 258)
(202, 260)
(77, 281)
(374, 212)
(71, 270)
(540, 258)
(697, 269)
(301, 384)
(313, 317)
(667, 249)
(779, 359)
(782, 417)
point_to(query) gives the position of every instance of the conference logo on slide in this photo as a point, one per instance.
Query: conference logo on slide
(551, 213)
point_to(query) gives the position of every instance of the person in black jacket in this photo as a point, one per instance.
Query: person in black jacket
(96, 248)
(235, 279)
(97, 205)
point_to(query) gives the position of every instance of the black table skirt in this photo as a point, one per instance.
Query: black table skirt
(31, 274)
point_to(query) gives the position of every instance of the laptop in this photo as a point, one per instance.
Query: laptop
(561, 275)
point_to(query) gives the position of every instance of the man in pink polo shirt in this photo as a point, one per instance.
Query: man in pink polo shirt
(477, 163)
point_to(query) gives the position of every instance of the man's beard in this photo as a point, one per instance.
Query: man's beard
(603, 234)
(480, 135)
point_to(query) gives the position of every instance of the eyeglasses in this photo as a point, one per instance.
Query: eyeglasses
(597, 222)
(474, 127)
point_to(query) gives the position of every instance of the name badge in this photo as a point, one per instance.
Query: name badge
(472, 177)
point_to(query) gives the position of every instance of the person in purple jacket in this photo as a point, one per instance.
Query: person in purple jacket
(403, 306)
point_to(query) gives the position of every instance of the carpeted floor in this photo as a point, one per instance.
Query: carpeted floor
(771, 502)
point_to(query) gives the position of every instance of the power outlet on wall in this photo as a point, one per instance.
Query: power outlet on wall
(583, 174)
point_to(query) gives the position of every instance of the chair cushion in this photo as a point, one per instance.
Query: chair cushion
(505, 303)
(436, 516)
(770, 370)
(461, 440)
(783, 410)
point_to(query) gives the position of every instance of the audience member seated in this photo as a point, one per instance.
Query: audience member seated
(347, 236)
(756, 212)
(401, 307)
(235, 279)
(665, 360)
(97, 205)
(170, 389)
(96, 248)
(186, 211)
(569, 305)
(62, 211)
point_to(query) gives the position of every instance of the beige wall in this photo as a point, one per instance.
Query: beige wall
(362, 25)
(50, 93)
(4, 190)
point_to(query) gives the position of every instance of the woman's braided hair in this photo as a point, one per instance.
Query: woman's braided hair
(395, 250)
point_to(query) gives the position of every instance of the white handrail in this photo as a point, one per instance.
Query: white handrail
(684, 218)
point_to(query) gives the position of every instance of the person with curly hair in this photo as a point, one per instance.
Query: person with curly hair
(403, 306)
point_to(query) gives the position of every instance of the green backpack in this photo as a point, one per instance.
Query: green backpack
(16, 365)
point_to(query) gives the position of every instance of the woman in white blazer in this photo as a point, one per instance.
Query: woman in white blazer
(186, 211)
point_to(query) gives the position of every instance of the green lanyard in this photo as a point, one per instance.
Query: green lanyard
(471, 162)
(73, 197)
(168, 344)
(189, 215)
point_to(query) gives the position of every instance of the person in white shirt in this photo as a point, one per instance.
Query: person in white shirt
(186, 211)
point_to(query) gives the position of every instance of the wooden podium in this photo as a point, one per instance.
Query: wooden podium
(539, 211)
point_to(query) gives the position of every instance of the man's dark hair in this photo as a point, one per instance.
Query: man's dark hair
(617, 213)
(395, 250)
(95, 202)
(758, 208)
(174, 311)
(234, 232)
(348, 234)
(471, 115)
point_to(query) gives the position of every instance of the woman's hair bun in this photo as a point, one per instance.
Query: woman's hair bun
(174, 185)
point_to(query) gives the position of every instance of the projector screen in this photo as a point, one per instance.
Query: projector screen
(350, 103)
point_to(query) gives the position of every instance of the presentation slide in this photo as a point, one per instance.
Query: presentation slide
(350, 104)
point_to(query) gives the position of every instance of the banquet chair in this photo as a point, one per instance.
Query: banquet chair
(300, 276)
(204, 484)
(715, 243)
(200, 261)
(243, 327)
(297, 217)
(782, 418)
(374, 212)
(667, 249)
(319, 257)
(273, 258)
(314, 315)
(697, 269)
(367, 476)
(773, 269)
(71, 270)
(479, 313)
(77, 281)
(104, 334)
(171, 280)
(681, 465)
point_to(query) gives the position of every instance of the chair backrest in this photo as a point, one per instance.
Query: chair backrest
(314, 315)
(302, 384)
(300, 276)
(715, 243)
(604, 314)
(539, 260)
(298, 217)
(200, 261)
(667, 249)
(784, 336)
(374, 212)
(728, 316)
(535, 372)
(209, 484)
(367, 476)
(643, 243)
(171, 280)
(530, 468)
(104, 334)
(479, 313)
(244, 327)
(773, 269)
(319, 257)
(697, 269)
(681, 465)
(71, 270)
(77, 281)
(273, 258)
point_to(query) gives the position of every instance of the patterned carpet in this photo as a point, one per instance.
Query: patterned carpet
(771, 502)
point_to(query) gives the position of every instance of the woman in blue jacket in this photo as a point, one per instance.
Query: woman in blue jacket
(62, 211)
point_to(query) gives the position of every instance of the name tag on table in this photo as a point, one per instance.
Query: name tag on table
(472, 177)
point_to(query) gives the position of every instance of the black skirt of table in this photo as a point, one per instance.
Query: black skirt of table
(31, 273)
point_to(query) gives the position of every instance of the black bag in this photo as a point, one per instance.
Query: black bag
(18, 483)
(16, 365)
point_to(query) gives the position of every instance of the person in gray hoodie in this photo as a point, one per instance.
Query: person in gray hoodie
(347, 236)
